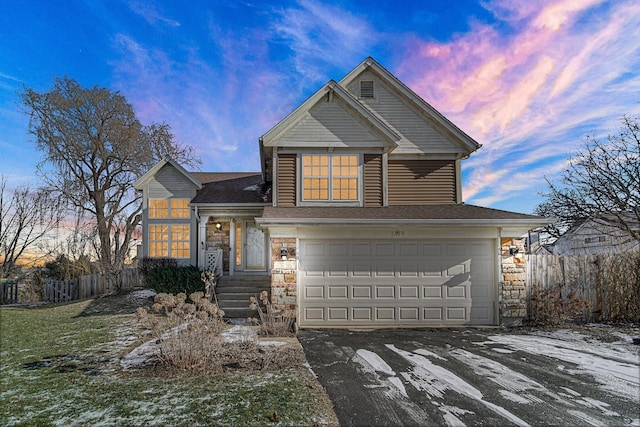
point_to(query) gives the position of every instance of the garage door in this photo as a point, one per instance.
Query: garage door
(394, 283)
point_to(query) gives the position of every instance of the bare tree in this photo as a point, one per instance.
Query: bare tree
(602, 183)
(26, 218)
(94, 149)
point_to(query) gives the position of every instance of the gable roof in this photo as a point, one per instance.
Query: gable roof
(330, 90)
(430, 113)
(140, 182)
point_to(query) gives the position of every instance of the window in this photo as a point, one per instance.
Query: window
(169, 208)
(330, 177)
(169, 241)
(158, 208)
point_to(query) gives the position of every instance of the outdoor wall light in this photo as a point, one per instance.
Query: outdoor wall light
(513, 250)
(218, 227)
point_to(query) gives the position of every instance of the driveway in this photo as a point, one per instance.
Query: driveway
(472, 377)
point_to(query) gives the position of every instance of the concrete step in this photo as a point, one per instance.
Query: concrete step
(239, 313)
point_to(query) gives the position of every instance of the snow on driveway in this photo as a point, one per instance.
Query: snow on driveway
(467, 378)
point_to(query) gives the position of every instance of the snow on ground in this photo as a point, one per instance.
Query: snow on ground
(142, 294)
(614, 366)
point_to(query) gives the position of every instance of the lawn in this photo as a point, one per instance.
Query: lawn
(61, 366)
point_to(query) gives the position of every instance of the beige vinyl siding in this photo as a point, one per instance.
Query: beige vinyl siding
(419, 182)
(417, 134)
(373, 180)
(170, 183)
(286, 180)
(329, 124)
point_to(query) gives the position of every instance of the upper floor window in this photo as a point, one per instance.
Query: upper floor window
(169, 208)
(330, 177)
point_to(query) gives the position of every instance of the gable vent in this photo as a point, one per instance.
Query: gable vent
(366, 89)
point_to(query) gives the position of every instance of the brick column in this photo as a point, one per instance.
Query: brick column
(513, 289)
(283, 273)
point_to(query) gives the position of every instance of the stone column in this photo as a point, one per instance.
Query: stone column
(283, 273)
(513, 292)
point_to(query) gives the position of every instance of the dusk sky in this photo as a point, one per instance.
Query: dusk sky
(526, 79)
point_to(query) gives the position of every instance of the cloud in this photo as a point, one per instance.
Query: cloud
(529, 95)
(149, 13)
(321, 35)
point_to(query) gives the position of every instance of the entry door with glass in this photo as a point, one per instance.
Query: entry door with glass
(254, 247)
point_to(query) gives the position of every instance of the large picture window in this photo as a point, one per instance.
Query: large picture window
(169, 241)
(330, 177)
(169, 208)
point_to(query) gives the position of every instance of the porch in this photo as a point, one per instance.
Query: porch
(244, 245)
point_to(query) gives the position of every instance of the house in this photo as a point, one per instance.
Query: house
(595, 236)
(356, 218)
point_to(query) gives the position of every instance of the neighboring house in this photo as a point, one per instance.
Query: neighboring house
(356, 217)
(594, 237)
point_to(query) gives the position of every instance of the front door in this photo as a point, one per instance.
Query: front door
(254, 247)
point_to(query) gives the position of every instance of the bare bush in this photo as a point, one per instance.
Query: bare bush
(620, 277)
(272, 322)
(189, 338)
(549, 307)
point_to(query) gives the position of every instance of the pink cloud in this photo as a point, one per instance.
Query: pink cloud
(556, 72)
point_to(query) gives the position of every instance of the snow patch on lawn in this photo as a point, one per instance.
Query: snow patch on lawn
(142, 294)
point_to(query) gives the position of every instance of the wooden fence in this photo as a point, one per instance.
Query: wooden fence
(606, 281)
(8, 292)
(91, 285)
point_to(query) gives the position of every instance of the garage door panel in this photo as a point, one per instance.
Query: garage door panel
(314, 292)
(364, 282)
(362, 249)
(432, 292)
(362, 314)
(360, 292)
(338, 292)
(409, 313)
(313, 314)
(385, 313)
(433, 314)
(408, 270)
(409, 292)
(383, 250)
(385, 270)
(385, 292)
(338, 313)
(457, 292)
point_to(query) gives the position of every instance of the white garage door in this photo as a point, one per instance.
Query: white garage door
(394, 283)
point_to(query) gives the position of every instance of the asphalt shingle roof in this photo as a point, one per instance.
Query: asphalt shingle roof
(425, 212)
(231, 187)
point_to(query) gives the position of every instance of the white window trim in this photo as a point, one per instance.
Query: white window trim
(300, 177)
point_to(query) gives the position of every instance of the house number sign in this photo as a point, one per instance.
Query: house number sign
(397, 233)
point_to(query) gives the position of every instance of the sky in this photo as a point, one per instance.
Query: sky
(526, 79)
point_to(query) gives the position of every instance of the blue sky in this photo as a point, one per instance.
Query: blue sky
(526, 79)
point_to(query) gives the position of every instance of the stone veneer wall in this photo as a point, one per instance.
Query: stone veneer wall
(283, 274)
(513, 283)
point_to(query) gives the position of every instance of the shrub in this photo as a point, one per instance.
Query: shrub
(272, 322)
(549, 307)
(175, 280)
(188, 338)
(145, 265)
